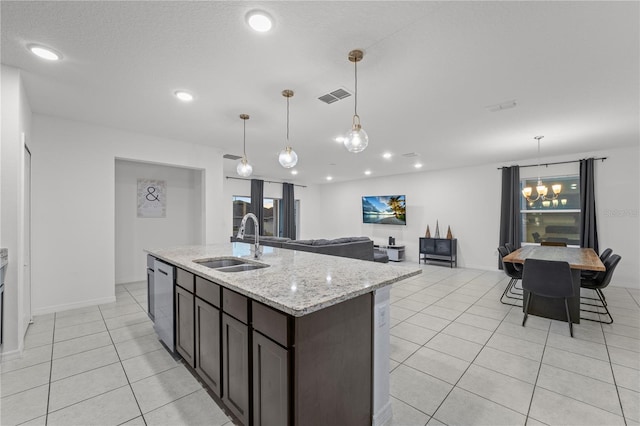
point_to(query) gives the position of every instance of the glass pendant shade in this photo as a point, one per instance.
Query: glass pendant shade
(288, 158)
(244, 169)
(357, 139)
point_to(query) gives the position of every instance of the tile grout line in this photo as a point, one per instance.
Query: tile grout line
(53, 342)
(535, 384)
(122, 365)
(615, 383)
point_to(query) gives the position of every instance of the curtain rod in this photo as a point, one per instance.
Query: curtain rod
(553, 164)
(268, 181)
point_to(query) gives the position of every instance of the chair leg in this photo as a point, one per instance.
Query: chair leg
(526, 308)
(601, 294)
(604, 306)
(566, 305)
(507, 290)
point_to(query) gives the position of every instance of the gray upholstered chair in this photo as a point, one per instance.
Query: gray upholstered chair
(547, 278)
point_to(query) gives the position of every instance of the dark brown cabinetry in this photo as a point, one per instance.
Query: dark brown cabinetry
(207, 324)
(184, 325)
(439, 250)
(271, 362)
(270, 368)
(235, 354)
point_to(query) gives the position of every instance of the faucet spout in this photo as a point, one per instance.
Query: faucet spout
(241, 230)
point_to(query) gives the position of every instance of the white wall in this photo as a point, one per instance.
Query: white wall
(16, 127)
(310, 209)
(468, 200)
(181, 226)
(73, 220)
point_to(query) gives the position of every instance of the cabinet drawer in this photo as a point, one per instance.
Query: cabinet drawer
(185, 279)
(235, 305)
(208, 291)
(271, 323)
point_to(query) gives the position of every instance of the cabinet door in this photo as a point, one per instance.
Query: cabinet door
(207, 318)
(443, 247)
(235, 367)
(270, 382)
(427, 245)
(150, 293)
(184, 325)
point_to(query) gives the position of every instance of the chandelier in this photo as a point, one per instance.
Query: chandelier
(542, 189)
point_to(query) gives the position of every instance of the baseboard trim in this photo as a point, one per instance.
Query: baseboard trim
(68, 306)
(384, 415)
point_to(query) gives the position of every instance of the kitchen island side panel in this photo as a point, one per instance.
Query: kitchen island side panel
(333, 365)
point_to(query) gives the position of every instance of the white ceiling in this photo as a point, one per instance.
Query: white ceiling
(429, 72)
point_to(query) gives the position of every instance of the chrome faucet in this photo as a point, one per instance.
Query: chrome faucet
(256, 245)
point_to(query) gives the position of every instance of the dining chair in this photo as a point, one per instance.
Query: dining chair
(553, 243)
(598, 284)
(514, 274)
(548, 278)
(593, 274)
(510, 247)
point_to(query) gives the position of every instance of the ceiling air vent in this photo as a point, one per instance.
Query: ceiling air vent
(411, 155)
(334, 96)
(231, 157)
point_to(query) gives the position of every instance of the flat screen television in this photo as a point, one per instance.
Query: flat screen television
(384, 209)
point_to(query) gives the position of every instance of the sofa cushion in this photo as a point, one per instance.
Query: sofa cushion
(322, 242)
(360, 239)
(341, 240)
(306, 242)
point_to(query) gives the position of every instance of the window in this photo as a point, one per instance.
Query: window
(552, 220)
(272, 211)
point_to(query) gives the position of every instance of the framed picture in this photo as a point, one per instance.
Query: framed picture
(152, 198)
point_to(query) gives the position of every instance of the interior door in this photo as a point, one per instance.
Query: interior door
(27, 238)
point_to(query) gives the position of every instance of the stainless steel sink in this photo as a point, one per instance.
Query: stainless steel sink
(230, 264)
(241, 268)
(220, 263)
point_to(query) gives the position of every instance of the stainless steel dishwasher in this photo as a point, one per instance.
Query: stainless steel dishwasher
(163, 277)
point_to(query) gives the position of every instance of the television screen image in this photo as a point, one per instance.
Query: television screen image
(386, 209)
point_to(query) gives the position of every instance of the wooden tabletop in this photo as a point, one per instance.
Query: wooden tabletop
(578, 258)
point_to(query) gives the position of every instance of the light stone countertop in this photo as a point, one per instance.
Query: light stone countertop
(296, 282)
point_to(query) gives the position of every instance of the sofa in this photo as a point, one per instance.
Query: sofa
(351, 247)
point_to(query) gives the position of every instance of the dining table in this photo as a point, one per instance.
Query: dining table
(579, 259)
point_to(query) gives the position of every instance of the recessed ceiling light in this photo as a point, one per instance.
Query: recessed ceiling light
(329, 178)
(417, 165)
(387, 155)
(44, 52)
(294, 172)
(183, 96)
(367, 172)
(260, 21)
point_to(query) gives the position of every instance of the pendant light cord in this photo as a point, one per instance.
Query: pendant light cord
(287, 121)
(355, 109)
(244, 138)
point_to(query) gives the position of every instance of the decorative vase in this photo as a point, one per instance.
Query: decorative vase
(428, 233)
(449, 235)
(437, 230)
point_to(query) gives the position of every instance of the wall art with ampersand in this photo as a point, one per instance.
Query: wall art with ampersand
(152, 198)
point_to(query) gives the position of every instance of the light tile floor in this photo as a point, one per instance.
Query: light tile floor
(458, 357)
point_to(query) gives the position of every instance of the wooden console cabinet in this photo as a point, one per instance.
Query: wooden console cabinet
(439, 250)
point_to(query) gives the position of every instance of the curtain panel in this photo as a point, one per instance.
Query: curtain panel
(510, 208)
(288, 211)
(588, 223)
(257, 202)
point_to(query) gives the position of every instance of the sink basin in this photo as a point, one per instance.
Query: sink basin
(230, 264)
(220, 263)
(241, 268)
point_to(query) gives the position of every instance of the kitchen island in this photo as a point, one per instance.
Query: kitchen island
(303, 339)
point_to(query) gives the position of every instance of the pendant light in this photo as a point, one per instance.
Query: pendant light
(288, 157)
(244, 169)
(357, 139)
